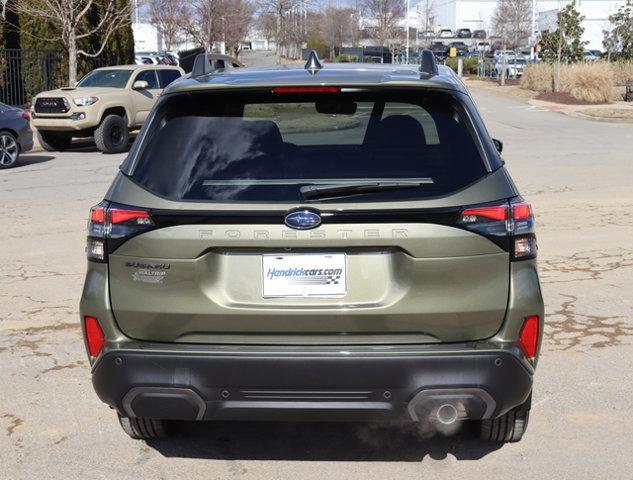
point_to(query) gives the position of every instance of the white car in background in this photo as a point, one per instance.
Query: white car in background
(480, 47)
(513, 65)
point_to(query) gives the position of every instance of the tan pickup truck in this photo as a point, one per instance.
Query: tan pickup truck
(107, 103)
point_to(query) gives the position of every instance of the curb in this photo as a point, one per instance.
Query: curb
(571, 112)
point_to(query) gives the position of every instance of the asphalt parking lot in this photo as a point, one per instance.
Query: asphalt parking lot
(576, 173)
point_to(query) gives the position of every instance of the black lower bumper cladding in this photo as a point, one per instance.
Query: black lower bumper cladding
(192, 386)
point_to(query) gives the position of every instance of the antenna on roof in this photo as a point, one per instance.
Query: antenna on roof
(313, 65)
(428, 67)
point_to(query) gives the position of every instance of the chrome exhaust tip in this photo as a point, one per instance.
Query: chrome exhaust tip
(447, 406)
(447, 414)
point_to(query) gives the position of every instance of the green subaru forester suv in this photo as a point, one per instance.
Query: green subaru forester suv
(328, 242)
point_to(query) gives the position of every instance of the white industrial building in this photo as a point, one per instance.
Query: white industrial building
(478, 14)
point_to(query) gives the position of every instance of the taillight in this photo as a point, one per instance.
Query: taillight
(26, 115)
(95, 339)
(509, 224)
(110, 225)
(529, 336)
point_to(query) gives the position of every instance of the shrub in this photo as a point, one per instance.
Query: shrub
(470, 64)
(592, 82)
(346, 58)
(589, 82)
(622, 71)
(537, 77)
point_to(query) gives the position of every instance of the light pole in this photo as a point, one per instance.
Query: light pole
(407, 24)
(532, 33)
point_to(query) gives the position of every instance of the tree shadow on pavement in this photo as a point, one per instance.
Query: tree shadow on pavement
(88, 145)
(32, 159)
(317, 442)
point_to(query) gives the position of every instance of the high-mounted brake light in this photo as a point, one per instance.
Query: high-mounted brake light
(95, 339)
(528, 338)
(307, 90)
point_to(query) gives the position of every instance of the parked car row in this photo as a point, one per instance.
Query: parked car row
(156, 58)
(459, 33)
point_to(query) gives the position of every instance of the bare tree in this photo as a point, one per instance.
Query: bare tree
(290, 24)
(201, 22)
(168, 16)
(426, 9)
(336, 27)
(387, 14)
(267, 26)
(356, 10)
(68, 19)
(236, 18)
(512, 21)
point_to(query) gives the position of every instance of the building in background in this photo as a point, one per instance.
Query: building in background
(478, 14)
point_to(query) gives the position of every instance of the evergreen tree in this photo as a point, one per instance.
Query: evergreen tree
(564, 45)
(619, 41)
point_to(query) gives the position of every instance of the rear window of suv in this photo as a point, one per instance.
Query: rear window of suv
(265, 147)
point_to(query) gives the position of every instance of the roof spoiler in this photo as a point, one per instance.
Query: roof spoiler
(201, 65)
(428, 65)
(205, 64)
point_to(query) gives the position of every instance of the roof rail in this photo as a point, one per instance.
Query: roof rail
(313, 64)
(428, 66)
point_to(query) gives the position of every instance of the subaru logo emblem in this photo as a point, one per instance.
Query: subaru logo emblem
(303, 220)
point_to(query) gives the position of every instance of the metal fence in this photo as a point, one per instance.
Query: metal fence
(26, 72)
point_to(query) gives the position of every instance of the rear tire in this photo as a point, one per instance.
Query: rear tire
(509, 427)
(53, 141)
(112, 135)
(143, 428)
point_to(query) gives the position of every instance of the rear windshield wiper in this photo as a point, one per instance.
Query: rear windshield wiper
(312, 192)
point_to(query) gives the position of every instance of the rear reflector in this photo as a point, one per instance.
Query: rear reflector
(528, 338)
(307, 90)
(94, 336)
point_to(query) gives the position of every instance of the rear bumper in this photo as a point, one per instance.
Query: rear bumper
(341, 385)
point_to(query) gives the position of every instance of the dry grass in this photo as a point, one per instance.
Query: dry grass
(588, 82)
(537, 77)
(622, 71)
(592, 82)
